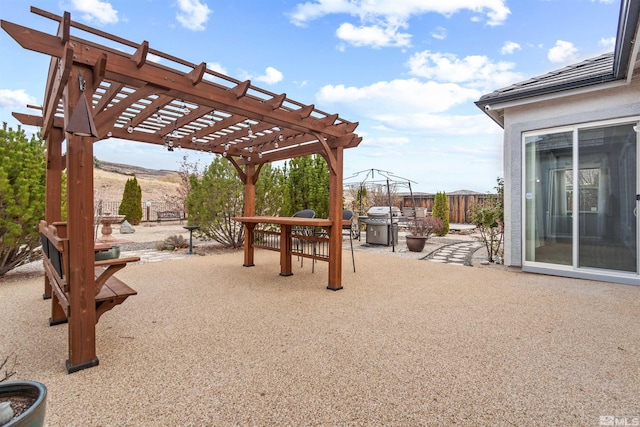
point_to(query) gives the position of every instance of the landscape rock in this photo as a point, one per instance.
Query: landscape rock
(6, 412)
(126, 228)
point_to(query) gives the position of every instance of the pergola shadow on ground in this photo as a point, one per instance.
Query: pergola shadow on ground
(94, 92)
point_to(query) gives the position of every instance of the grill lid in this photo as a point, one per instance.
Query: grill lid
(383, 211)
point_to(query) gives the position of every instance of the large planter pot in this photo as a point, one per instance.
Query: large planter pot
(33, 416)
(112, 253)
(416, 243)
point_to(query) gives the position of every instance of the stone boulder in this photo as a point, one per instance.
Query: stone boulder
(126, 228)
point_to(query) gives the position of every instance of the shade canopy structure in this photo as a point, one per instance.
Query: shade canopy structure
(366, 179)
(139, 99)
(102, 86)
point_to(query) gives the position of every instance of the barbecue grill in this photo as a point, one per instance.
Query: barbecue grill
(382, 225)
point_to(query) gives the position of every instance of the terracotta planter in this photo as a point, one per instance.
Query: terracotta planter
(34, 415)
(416, 243)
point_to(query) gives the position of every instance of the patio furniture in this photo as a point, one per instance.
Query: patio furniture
(106, 291)
(347, 215)
(102, 67)
(284, 243)
(305, 231)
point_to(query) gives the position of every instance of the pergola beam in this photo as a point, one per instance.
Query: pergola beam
(120, 66)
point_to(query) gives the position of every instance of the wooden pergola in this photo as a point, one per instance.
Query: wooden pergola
(95, 92)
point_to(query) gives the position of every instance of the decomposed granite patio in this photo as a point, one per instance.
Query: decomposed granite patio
(208, 342)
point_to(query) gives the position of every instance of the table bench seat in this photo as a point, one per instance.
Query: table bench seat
(109, 290)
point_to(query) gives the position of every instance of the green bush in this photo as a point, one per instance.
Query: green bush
(131, 206)
(215, 198)
(22, 193)
(441, 210)
(173, 242)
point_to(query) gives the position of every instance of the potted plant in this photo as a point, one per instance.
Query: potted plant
(22, 403)
(420, 229)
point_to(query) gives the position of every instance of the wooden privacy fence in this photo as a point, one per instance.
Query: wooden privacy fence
(459, 204)
(149, 209)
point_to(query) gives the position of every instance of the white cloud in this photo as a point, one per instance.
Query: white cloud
(15, 99)
(96, 11)
(608, 43)
(215, 66)
(509, 47)
(439, 33)
(153, 58)
(562, 52)
(193, 15)
(385, 142)
(271, 76)
(496, 11)
(374, 36)
(441, 124)
(397, 97)
(476, 71)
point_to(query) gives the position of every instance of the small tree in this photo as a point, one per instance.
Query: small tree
(441, 210)
(22, 191)
(131, 206)
(214, 199)
(488, 217)
(186, 170)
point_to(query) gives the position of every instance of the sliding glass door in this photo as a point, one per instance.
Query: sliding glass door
(580, 187)
(607, 198)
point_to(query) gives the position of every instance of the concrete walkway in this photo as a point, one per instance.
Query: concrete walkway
(459, 253)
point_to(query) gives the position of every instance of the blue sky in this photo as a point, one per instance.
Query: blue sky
(407, 70)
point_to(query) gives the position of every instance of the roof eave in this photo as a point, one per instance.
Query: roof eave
(627, 31)
(625, 54)
(596, 80)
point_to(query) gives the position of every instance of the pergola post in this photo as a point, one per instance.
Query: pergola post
(80, 220)
(53, 194)
(249, 179)
(335, 215)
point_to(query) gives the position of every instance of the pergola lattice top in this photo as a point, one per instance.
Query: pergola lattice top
(188, 106)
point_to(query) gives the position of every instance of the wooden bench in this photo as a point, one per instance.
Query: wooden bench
(169, 216)
(109, 290)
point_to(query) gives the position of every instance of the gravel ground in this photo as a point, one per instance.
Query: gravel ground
(405, 343)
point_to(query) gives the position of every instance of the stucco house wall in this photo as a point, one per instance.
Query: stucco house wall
(611, 101)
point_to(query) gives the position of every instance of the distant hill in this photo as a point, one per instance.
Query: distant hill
(157, 185)
(130, 170)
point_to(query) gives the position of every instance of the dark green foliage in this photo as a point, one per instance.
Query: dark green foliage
(488, 217)
(22, 190)
(307, 186)
(270, 191)
(131, 206)
(441, 210)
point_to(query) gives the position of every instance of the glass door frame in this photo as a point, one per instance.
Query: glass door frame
(587, 272)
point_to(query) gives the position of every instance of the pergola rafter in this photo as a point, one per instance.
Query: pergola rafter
(134, 90)
(130, 95)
